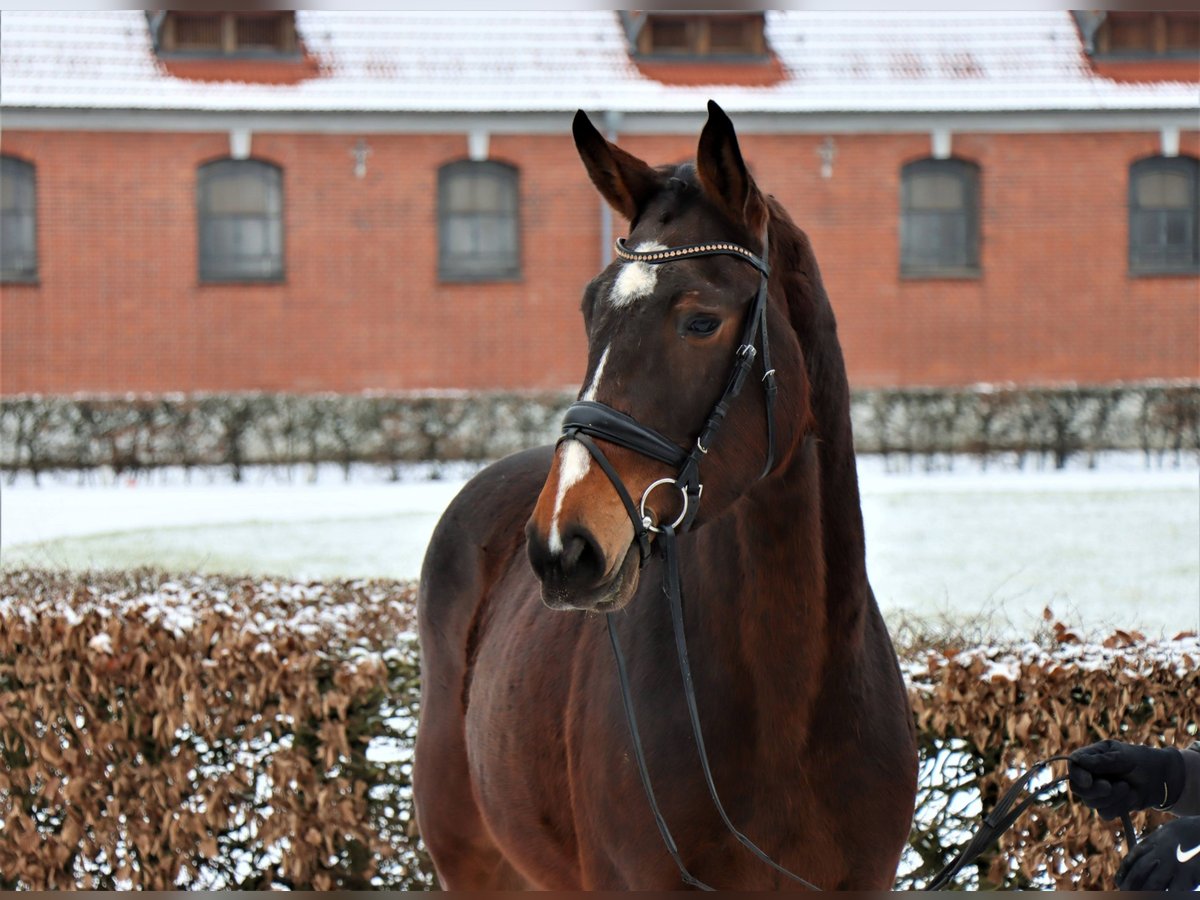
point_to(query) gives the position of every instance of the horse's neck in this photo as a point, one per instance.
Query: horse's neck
(768, 619)
(800, 600)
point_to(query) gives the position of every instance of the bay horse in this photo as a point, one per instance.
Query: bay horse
(524, 776)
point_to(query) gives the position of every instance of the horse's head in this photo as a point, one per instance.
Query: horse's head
(662, 340)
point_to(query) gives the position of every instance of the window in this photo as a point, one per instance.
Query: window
(478, 229)
(18, 220)
(240, 207)
(939, 220)
(690, 34)
(1164, 206)
(1148, 35)
(240, 34)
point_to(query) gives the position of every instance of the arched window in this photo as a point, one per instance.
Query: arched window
(1164, 206)
(240, 208)
(939, 219)
(478, 222)
(18, 220)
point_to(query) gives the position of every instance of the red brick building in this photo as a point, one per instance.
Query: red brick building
(346, 202)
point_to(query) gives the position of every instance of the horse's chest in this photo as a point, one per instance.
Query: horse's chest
(517, 749)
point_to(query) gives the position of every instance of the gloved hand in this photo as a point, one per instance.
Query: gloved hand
(1115, 778)
(1166, 860)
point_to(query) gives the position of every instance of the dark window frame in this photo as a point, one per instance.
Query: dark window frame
(456, 267)
(212, 271)
(698, 30)
(167, 43)
(1158, 23)
(25, 268)
(959, 265)
(1153, 260)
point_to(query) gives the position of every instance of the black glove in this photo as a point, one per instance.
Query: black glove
(1115, 778)
(1167, 860)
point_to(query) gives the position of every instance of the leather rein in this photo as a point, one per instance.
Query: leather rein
(586, 419)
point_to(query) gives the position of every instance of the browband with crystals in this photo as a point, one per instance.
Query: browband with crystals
(670, 254)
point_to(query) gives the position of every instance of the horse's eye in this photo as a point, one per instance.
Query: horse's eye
(702, 326)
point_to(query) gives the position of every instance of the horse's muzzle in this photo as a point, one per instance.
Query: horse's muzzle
(575, 574)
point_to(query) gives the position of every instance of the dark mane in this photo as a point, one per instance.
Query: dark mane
(812, 317)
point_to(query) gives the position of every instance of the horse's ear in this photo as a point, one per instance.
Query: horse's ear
(724, 175)
(622, 179)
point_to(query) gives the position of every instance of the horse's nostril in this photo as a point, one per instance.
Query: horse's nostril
(579, 563)
(582, 560)
(573, 552)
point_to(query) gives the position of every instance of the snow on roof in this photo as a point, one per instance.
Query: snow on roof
(426, 62)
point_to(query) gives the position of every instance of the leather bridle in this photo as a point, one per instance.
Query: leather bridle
(588, 419)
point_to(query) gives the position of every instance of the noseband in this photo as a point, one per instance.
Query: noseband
(587, 419)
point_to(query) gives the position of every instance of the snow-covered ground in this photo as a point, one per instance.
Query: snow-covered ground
(1118, 545)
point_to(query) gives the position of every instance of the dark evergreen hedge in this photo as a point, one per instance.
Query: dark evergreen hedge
(140, 432)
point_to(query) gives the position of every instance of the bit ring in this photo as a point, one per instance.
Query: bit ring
(647, 522)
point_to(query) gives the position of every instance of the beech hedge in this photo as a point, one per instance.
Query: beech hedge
(201, 732)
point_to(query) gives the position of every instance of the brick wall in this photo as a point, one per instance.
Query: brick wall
(119, 307)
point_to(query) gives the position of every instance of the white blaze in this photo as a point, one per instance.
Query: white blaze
(590, 393)
(636, 279)
(574, 462)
